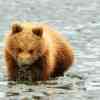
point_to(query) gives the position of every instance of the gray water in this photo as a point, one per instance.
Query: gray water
(77, 20)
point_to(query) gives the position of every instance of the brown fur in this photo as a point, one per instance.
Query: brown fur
(46, 52)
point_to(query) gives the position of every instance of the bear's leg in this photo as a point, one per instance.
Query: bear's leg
(11, 66)
(46, 68)
(64, 60)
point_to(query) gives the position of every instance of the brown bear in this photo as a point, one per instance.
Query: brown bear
(34, 51)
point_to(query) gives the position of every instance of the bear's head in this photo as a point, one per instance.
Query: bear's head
(26, 43)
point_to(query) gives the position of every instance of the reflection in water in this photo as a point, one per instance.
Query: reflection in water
(43, 90)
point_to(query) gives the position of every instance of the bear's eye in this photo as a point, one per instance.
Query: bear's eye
(30, 51)
(19, 50)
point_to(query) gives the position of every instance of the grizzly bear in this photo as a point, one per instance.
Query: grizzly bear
(35, 51)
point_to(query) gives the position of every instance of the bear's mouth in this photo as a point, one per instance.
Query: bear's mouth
(25, 65)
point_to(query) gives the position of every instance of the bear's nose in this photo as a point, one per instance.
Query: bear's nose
(24, 59)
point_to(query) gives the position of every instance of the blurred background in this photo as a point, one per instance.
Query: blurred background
(79, 22)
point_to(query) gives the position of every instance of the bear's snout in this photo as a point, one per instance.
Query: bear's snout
(24, 59)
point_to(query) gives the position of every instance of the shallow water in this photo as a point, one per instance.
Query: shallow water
(78, 20)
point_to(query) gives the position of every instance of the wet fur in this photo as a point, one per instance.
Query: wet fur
(56, 56)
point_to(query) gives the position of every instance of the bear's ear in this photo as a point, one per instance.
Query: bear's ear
(38, 31)
(16, 28)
